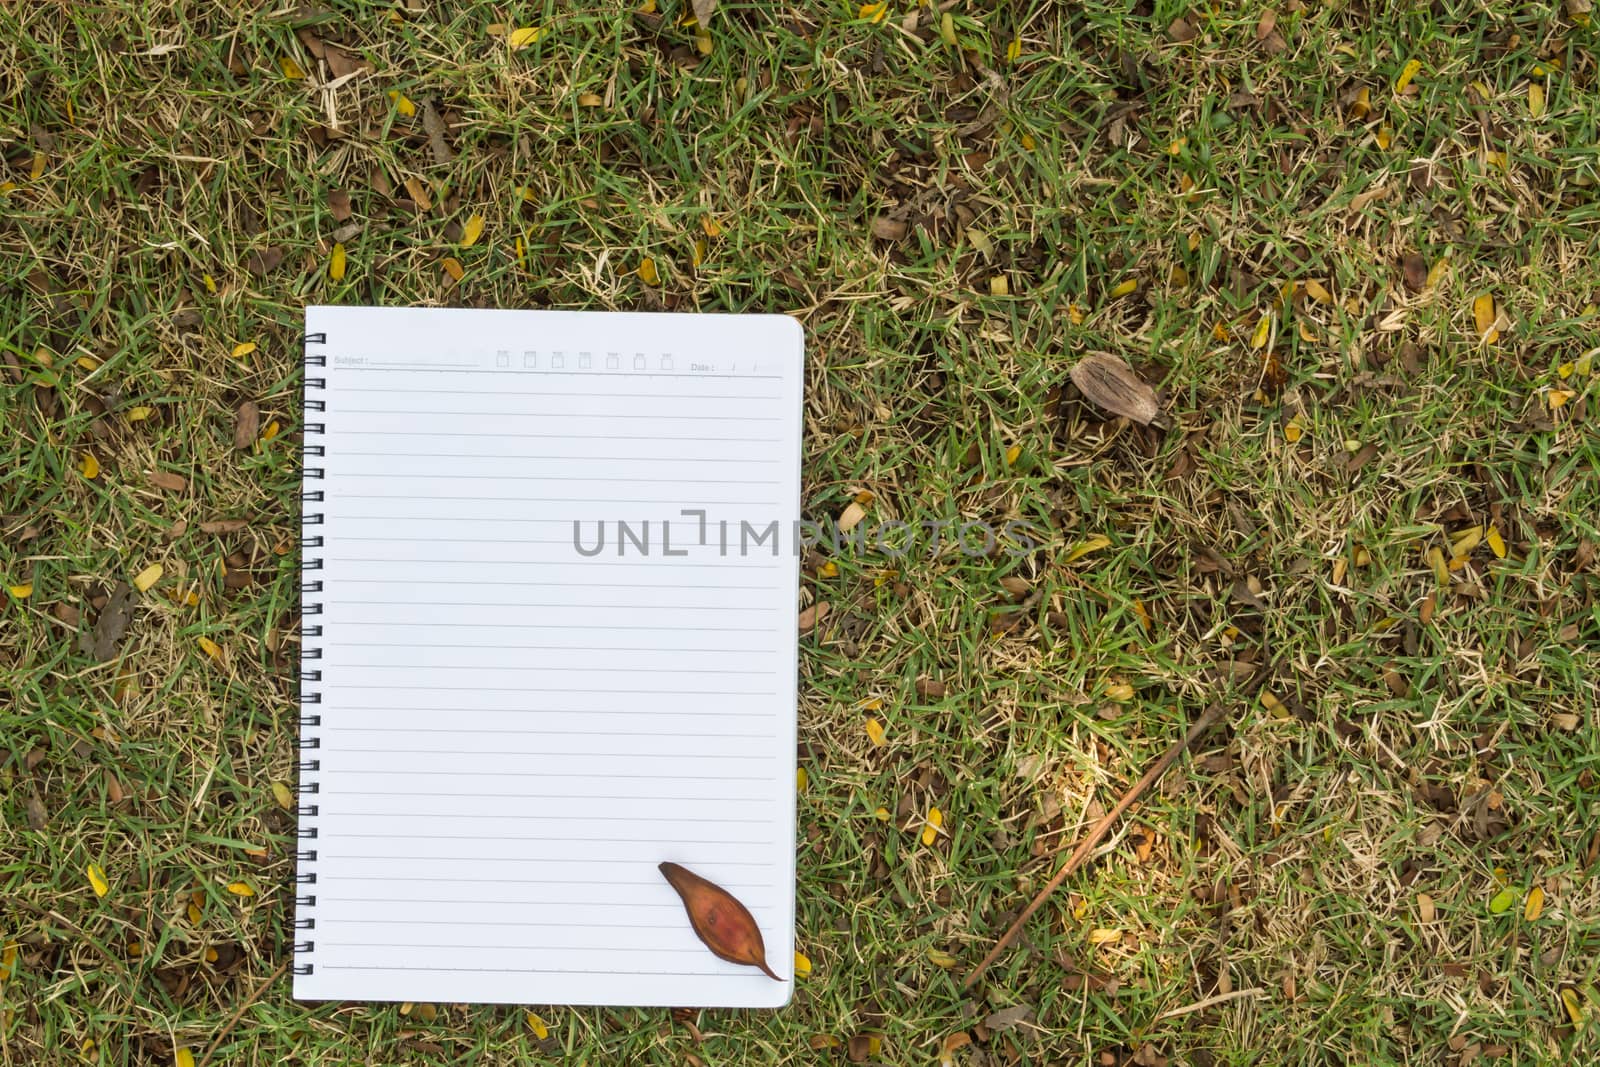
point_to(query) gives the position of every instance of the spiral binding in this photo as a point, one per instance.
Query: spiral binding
(309, 768)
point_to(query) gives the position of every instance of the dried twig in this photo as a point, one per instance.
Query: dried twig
(228, 1026)
(1096, 833)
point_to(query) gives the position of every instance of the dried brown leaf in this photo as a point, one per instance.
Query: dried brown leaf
(1007, 1018)
(703, 10)
(434, 123)
(1181, 31)
(173, 483)
(246, 425)
(809, 617)
(343, 63)
(887, 229)
(339, 204)
(223, 526)
(102, 639)
(1415, 269)
(38, 818)
(1109, 383)
(719, 920)
(1267, 23)
(263, 261)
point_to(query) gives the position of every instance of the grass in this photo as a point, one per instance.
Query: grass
(1328, 860)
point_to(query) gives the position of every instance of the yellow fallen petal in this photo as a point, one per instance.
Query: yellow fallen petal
(1464, 541)
(1408, 72)
(147, 577)
(1534, 907)
(193, 911)
(185, 1058)
(241, 889)
(1385, 137)
(1123, 289)
(875, 733)
(243, 349)
(941, 959)
(712, 228)
(290, 68)
(702, 40)
(1584, 364)
(802, 781)
(1436, 273)
(1104, 936)
(337, 263)
(1014, 50)
(209, 282)
(1483, 315)
(930, 831)
(1263, 332)
(1502, 901)
(1363, 104)
(523, 37)
(282, 794)
(89, 466)
(648, 273)
(1572, 1005)
(1075, 314)
(139, 414)
(882, 814)
(1293, 430)
(699, 255)
(471, 231)
(1536, 99)
(209, 647)
(1436, 561)
(403, 103)
(1012, 454)
(1093, 544)
(36, 171)
(1497, 544)
(23, 591)
(452, 266)
(1121, 692)
(88, 363)
(97, 879)
(802, 965)
(537, 1025)
(947, 29)
(874, 13)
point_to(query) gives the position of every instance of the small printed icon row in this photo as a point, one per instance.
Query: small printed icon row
(582, 360)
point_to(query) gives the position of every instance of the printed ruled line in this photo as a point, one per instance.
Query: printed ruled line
(510, 948)
(430, 366)
(551, 689)
(464, 368)
(608, 776)
(556, 648)
(547, 752)
(566, 459)
(389, 728)
(385, 968)
(655, 396)
(533, 604)
(413, 857)
(607, 925)
(391, 879)
(572, 478)
(551, 436)
(545, 818)
(548, 796)
(578, 648)
(527, 903)
(348, 517)
(657, 562)
(585, 712)
(559, 626)
(605, 669)
(339, 538)
(607, 415)
(524, 837)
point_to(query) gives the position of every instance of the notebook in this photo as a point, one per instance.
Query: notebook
(549, 635)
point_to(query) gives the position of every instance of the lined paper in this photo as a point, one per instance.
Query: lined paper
(517, 725)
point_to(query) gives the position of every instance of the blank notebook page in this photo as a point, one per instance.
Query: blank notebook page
(550, 619)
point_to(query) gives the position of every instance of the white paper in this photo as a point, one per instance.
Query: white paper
(514, 734)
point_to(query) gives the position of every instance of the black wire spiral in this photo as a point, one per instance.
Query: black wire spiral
(308, 768)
